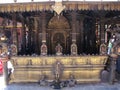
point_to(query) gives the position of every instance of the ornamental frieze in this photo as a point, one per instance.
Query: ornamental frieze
(22, 7)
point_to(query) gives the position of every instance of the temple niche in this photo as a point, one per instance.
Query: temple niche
(59, 33)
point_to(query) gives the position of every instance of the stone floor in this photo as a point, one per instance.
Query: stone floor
(35, 86)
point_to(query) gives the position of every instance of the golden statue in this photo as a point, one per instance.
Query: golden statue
(58, 49)
(43, 49)
(74, 49)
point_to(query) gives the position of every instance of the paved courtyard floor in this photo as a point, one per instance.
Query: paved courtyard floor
(35, 86)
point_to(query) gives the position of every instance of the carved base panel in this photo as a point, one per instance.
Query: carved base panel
(83, 68)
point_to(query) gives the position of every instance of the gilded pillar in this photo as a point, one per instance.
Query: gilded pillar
(43, 26)
(4, 23)
(102, 32)
(81, 38)
(30, 44)
(23, 32)
(36, 33)
(102, 26)
(14, 30)
(73, 14)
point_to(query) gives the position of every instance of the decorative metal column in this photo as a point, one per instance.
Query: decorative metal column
(36, 33)
(43, 26)
(23, 32)
(30, 49)
(102, 28)
(81, 28)
(73, 14)
(14, 30)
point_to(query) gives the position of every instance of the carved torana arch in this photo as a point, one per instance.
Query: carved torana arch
(58, 30)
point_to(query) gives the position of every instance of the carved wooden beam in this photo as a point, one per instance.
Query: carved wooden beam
(75, 5)
(26, 7)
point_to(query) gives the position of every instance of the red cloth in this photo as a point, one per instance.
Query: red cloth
(1, 67)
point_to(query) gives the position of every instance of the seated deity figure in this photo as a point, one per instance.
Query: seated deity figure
(58, 49)
(43, 49)
(73, 49)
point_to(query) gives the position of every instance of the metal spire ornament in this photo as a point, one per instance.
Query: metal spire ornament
(58, 7)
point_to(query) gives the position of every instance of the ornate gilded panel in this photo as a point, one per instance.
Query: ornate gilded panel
(17, 7)
(83, 68)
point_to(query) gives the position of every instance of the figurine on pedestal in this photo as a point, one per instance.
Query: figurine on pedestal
(74, 49)
(43, 49)
(58, 49)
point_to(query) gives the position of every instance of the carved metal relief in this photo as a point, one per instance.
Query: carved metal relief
(58, 49)
(43, 49)
(73, 62)
(58, 7)
(88, 61)
(29, 62)
(74, 49)
(57, 69)
(15, 63)
(44, 62)
(58, 29)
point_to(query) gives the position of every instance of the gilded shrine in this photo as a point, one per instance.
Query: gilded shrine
(60, 40)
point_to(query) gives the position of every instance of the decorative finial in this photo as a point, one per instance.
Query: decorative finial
(58, 7)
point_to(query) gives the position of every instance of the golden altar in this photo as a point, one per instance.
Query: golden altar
(84, 68)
